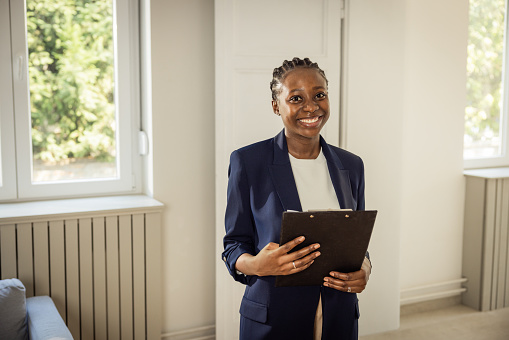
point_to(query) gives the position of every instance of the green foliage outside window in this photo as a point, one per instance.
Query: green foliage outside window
(70, 45)
(484, 70)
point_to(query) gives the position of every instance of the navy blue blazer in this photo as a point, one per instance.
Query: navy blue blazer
(260, 187)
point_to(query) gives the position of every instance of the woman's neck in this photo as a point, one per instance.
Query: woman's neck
(304, 149)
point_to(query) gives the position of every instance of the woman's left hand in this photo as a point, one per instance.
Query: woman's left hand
(354, 282)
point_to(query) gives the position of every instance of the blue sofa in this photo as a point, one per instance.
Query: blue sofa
(35, 318)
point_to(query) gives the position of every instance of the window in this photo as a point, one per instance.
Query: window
(486, 118)
(69, 98)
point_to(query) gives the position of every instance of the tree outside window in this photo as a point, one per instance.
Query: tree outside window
(71, 78)
(484, 116)
(69, 99)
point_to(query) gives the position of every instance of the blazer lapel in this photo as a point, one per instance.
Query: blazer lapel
(284, 182)
(339, 176)
(282, 175)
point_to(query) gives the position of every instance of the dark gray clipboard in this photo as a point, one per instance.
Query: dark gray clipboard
(343, 236)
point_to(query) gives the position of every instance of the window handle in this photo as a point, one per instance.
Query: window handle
(142, 143)
(20, 67)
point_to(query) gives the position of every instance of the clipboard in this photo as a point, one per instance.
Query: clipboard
(343, 236)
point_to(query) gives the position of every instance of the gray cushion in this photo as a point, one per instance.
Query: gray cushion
(44, 321)
(13, 312)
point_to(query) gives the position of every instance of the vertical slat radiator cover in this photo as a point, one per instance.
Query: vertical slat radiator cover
(486, 239)
(101, 267)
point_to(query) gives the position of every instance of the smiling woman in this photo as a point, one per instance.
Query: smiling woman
(301, 100)
(296, 170)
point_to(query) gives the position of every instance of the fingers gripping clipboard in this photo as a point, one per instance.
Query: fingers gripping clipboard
(343, 236)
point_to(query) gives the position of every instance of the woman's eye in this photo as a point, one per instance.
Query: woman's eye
(294, 99)
(321, 95)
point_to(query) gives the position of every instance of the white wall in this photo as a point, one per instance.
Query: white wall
(405, 99)
(374, 119)
(432, 181)
(183, 133)
(405, 106)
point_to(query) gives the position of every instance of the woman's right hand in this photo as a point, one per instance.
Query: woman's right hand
(275, 260)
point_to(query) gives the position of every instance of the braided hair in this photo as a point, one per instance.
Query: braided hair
(281, 72)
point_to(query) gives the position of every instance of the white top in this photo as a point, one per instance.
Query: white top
(314, 184)
(316, 192)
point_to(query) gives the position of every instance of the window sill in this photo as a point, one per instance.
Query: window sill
(84, 207)
(488, 172)
(491, 162)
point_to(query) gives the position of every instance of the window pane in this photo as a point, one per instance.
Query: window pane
(483, 114)
(71, 77)
(1, 166)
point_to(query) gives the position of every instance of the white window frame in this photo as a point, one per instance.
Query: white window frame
(15, 110)
(503, 159)
(7, 151)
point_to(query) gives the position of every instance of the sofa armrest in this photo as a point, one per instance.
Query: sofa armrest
(44, 321)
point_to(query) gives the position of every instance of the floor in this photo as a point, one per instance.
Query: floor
(454, 322)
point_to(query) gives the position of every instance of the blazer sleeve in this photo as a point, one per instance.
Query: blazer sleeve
(239, 222)
(361, 200)
(360, 188)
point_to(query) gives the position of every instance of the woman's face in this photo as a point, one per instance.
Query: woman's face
(303, 103)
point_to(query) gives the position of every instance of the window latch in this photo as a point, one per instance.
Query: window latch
(142, 143)
(20, 67)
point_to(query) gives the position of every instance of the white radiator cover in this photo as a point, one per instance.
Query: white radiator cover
(101, 267)
(486, 239)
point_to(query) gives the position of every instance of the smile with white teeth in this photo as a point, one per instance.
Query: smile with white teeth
(309, 120)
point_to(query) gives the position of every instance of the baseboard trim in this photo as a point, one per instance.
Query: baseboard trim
(429, 306)
(197, 333)
(432, 291)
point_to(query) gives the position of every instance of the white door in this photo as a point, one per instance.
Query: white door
(252, 38)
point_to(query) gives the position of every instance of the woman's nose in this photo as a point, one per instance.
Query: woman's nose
(311, 106)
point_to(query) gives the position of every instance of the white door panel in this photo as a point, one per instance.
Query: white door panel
(276, 28)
